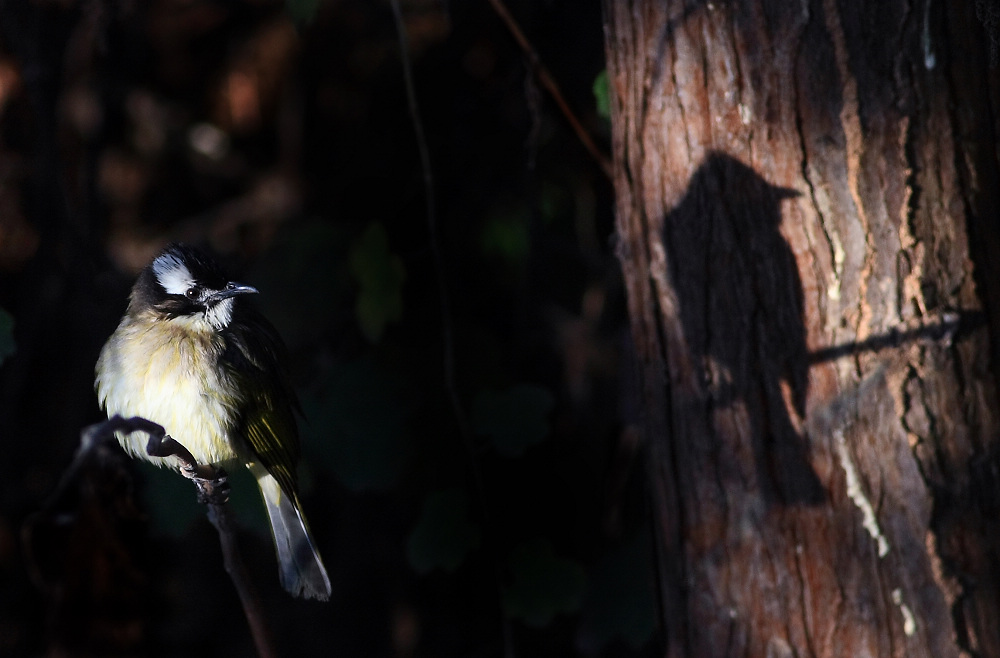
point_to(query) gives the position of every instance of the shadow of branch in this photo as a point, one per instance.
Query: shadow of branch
(951, 327)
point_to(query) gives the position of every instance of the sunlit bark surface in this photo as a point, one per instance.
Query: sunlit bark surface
(807, 225)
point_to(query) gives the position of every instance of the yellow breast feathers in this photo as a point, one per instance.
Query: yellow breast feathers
(158, 370)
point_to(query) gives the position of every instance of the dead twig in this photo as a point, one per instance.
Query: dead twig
(451, 384)
(213, 490)
(444, 298)
(552, 87)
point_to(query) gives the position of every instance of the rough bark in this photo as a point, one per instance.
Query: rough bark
(806, 217)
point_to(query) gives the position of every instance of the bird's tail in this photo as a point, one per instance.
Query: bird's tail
(299, 564)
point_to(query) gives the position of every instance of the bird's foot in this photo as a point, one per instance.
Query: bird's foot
(213, 487)
(212, 482)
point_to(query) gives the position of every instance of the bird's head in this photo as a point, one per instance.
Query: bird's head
(183, 284)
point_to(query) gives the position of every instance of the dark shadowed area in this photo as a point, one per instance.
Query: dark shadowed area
(498, 510)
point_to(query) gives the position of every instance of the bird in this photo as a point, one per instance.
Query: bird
(189, 354)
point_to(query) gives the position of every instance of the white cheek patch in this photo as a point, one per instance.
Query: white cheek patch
(172, 274)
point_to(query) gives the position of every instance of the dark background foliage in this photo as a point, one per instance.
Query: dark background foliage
(278, 135)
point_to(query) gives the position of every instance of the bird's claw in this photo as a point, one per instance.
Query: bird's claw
(213, 488)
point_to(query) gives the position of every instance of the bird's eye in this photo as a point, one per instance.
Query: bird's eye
(191, 293)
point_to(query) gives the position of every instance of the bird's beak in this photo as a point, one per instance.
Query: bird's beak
(231, 290)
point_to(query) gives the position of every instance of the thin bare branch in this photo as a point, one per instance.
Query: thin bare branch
(445, 300)
(431, 210)
(552, 87)
(213, 490)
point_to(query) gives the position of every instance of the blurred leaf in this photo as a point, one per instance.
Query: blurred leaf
(380, 274)
(443, 535)
(554, 202)
(620, 601)
(171, 500)
(515, 419)
(544, 584)
(506, 235)
(602, 94)
(302, 12)
(7, 345)
(304, 281)
(355, 425)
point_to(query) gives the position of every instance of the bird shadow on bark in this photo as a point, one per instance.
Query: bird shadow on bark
(744, 359)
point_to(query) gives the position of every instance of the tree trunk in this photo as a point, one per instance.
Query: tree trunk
(806, 212)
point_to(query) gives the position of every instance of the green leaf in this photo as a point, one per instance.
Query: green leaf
(443, 534)
(7, 345)
(304, 281)
(554, 202)
(171, 500)
(515, 419)
(602, 94)
(544, 584)
(620, 602)
(302, 12)
(355, 425)
(380, 275)
(506, 235)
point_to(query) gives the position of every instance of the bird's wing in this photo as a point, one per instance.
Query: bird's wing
(254, 356)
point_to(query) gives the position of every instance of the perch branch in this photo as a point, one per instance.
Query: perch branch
(213, 491)
(552, 87)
